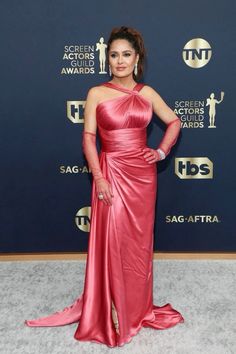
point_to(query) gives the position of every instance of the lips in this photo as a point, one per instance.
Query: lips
(120, 68)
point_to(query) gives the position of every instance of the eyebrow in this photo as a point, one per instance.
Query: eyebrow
(114, 51)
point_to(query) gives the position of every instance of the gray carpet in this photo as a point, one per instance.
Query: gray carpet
(203, 291)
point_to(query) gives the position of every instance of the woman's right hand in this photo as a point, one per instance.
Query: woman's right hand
(104, 187)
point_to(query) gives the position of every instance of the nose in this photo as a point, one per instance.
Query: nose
(120, 59)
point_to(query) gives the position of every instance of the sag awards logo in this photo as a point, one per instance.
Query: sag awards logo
(64, 170)
(180, 219)
(198, 114)
(81, 59)
(82, 218)
(197, 53)
(193, 168)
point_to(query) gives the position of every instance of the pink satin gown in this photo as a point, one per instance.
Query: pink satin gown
(117, 299)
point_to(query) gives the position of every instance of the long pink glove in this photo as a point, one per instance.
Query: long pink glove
(169, 138)
(90, 151)
(103, 186)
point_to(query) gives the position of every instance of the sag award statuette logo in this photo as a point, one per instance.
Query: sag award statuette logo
(211, 102)
(101, 47)
(81, 59)
(195, 114)
(197, 53)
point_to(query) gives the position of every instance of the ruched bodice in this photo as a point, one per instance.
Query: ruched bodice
(131, 110)
(122, 120)
(123, 139)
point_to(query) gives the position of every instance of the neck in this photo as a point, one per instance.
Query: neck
(127, 82)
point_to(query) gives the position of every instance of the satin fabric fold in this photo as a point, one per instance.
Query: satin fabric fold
(117, 300)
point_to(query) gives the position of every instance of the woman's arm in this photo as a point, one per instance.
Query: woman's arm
(173, 123)
(90, 148)
(89, 134)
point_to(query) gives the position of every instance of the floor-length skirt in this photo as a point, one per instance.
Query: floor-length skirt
(117, 300)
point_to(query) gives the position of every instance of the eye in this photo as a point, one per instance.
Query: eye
(113, 55)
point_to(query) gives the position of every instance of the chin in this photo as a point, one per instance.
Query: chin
(121, 74)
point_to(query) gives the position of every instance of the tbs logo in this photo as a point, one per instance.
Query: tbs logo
(193, 168)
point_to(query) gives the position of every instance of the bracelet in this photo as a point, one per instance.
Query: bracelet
(161, 154)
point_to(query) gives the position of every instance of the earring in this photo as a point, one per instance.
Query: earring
(136, 69)
(110, 73)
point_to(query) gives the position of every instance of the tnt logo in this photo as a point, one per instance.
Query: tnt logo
(197, 53)
(75, 111)
(194, 168)
(82, 219)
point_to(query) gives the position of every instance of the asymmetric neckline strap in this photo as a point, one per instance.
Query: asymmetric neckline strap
(130, 92)
(136, 87)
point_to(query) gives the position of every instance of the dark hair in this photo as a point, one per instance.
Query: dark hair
(135, 39)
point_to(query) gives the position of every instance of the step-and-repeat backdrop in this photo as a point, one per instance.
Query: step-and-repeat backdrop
(52, 52)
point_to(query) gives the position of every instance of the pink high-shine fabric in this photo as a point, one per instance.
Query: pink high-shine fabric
(119, 265)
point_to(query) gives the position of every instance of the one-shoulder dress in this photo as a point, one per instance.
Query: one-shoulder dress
(117, 299)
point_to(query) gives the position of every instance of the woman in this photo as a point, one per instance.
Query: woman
(117, 300)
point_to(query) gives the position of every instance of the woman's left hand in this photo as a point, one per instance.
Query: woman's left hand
(151, 155)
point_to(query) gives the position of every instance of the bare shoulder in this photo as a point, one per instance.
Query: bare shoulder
(150, 92)
(96, 93)
(93, 92)
(154, 96)
(92, 99)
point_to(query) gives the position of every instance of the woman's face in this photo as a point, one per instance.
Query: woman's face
(122, 58)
